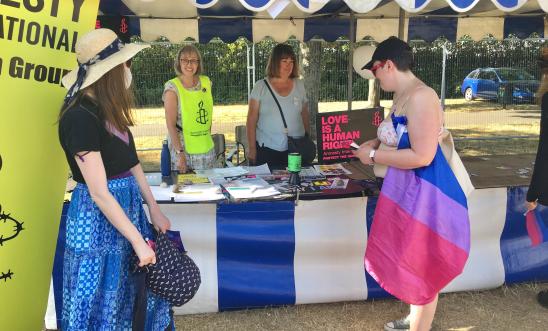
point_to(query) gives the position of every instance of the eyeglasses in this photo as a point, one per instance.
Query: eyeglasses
(192, 62)
(377, 67)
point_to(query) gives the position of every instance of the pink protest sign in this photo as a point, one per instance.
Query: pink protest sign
(336, 130)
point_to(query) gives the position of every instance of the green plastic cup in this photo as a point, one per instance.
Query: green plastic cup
(294, 162)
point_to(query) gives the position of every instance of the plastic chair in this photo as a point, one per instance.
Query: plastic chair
(220, 149)
(240, 134)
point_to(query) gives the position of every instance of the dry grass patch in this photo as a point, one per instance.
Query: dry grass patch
(505, 308)
(476, 119)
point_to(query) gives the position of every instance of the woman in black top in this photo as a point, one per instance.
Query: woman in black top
(106, 222)
(538, 189)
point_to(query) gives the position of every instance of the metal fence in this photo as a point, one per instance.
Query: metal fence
(497, 112)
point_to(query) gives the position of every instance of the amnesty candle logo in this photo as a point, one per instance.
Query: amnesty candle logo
(202, 113)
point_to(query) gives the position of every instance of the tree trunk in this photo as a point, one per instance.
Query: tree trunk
(311, 60)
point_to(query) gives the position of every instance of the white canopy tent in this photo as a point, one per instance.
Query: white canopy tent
(202, 20)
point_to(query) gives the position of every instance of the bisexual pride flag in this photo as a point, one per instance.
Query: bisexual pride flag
(420, 236)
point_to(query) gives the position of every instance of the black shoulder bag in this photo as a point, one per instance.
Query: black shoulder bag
(302, 145)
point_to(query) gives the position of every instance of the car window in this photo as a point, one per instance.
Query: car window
(473, 74)
(491, 75)
(514, 74)
(484, 74)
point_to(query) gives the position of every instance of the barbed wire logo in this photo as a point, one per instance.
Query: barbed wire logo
(5, 221)
(6, 276)
(17, 227)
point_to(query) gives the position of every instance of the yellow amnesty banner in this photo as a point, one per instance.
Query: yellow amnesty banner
(37, 40)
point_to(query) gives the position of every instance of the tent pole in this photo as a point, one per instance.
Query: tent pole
(248, 71)
(401, 25)
(253, 62)
(444, 63)
(351, 60)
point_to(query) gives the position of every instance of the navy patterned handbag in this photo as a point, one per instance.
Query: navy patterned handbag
(175, 277)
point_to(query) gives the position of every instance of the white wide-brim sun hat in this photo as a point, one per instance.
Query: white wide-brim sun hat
(92, 44)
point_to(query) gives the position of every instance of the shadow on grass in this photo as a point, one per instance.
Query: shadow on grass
(504, 146)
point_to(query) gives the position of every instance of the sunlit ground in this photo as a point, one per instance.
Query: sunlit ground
(507, 308)
(476, 119)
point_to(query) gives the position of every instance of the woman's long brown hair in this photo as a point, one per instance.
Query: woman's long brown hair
(114, 100)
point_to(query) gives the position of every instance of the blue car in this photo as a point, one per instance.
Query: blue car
(489, 83)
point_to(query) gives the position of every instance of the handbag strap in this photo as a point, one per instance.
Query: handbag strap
(279, 107)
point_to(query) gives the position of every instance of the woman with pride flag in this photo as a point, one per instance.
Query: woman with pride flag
(420, 236)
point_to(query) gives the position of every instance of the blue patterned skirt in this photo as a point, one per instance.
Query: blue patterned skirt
(98, 287)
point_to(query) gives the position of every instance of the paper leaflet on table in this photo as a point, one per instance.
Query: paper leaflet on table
(261, 170)
(161, 193)
(221, 172)
(197, 192)
(310, 173)
(190, 179)
(247, 188)
(217, 180)
(306, 173)
(339, 183)
(335, 169)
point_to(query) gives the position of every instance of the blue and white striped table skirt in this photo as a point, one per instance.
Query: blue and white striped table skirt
(275, 253)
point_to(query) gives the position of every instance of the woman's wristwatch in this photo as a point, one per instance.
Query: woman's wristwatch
(372, 154)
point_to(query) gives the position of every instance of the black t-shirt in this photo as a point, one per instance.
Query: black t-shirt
(81, 129)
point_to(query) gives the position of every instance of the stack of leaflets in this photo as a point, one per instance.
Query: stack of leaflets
(310, 173)
(248, 188)
(189, 179)
(221, 172)
(335, 169)
(314, 186)
(262, 170)
(307, 174)
(197, 192)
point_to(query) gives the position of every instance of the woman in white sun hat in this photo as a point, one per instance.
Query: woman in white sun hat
(106, 222)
